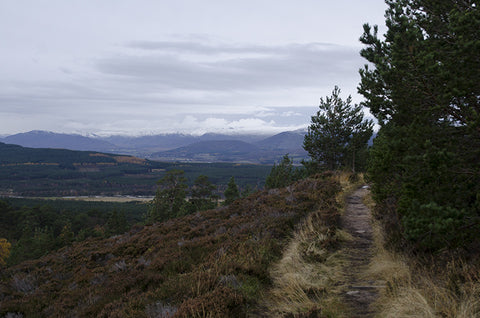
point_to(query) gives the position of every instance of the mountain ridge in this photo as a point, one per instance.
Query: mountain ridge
(174, 147)
(46, 139)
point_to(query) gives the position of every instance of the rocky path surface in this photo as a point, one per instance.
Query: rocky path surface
(359, 292)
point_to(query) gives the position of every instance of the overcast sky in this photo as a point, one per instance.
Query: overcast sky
(158, 66)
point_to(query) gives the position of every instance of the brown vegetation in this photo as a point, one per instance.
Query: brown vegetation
(313, 275)
(4, 250)
(129, 159)
(210, 264)
(445, 284)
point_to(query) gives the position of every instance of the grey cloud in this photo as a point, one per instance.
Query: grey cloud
(198, 48)
(206, 47)
(151, 88)
(249, 67)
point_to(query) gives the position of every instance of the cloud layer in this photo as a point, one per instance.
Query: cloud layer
(196, 66)
(177, 80)
(183, 66)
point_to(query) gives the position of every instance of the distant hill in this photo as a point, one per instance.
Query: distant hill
(45, 172)
(145, 146)
(15, 154)
(250, 138)
(264, 151)
(151, 143)
(172, 147)
(45, 139)
(289, 140)
(216, 150)
(172, 141)
(61, 172)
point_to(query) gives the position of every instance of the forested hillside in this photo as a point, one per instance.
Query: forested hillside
(14, 154)
(36, 227)
(59, 172)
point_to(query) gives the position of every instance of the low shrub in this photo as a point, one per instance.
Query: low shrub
(210, 264)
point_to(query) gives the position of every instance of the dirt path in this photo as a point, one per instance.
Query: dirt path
(359, 292)
(336, 285)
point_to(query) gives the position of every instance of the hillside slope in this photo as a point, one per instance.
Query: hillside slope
(217, 150)
(211, 264)
(44, 172)
(288, 140)
(60, 172)
(15, 154)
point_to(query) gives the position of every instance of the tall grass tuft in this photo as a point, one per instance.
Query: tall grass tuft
(308, 277)
(443, 285)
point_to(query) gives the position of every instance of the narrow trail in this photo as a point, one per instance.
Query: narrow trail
(359, 292)
(335, 286)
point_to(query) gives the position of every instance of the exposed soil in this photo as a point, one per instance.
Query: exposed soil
(359, 293)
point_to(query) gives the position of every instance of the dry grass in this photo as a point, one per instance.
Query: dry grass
(419, 288)
(349, 183)
(310, 275)
(426, 297)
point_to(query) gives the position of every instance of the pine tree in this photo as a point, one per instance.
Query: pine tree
(424, 88)
(116, 223)
(338, 129)
(231, 193)
(202, 196)
(282, 174)
(170, 197)
(66, 236)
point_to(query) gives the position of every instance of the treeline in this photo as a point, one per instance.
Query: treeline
(12, 154)
(174, 198)
(424, 90)
(35, 227)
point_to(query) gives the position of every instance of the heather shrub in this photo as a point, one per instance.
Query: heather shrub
(214, 263)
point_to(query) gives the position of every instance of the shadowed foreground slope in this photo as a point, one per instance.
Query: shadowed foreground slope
(211, 264)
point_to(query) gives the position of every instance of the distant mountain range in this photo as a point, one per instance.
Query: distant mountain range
(175, 147)
(45, 139)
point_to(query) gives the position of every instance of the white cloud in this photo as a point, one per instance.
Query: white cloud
(290, 114)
